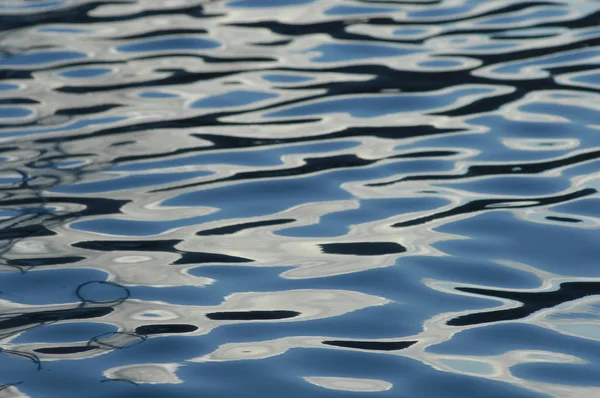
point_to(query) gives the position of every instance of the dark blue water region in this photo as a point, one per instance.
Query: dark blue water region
(85, 73)
(14, 112)
(232, 99)
(448, 149)
(157, 94)
(170, 44)
(286, 78)
(361, 50)
(8, 87)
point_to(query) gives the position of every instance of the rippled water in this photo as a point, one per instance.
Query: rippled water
(300, 198)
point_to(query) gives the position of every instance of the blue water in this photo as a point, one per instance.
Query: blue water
(307, 198)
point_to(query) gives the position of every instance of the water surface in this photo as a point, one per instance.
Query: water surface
(308, 198)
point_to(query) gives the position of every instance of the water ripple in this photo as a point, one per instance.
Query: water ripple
(311, 197)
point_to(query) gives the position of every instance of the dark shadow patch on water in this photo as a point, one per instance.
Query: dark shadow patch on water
(371, 345)
(88, 110)
(563, 219)
(203, 258)
(43, 261)
(252, 315)
(64, 350)
(165, 329)
(35, 318)
(363, 248)
(123, 245)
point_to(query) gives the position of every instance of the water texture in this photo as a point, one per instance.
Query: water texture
(299, 198)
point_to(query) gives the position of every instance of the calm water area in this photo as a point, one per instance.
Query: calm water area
(299, 198)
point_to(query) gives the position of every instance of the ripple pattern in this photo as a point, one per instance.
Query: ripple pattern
(300, 198)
